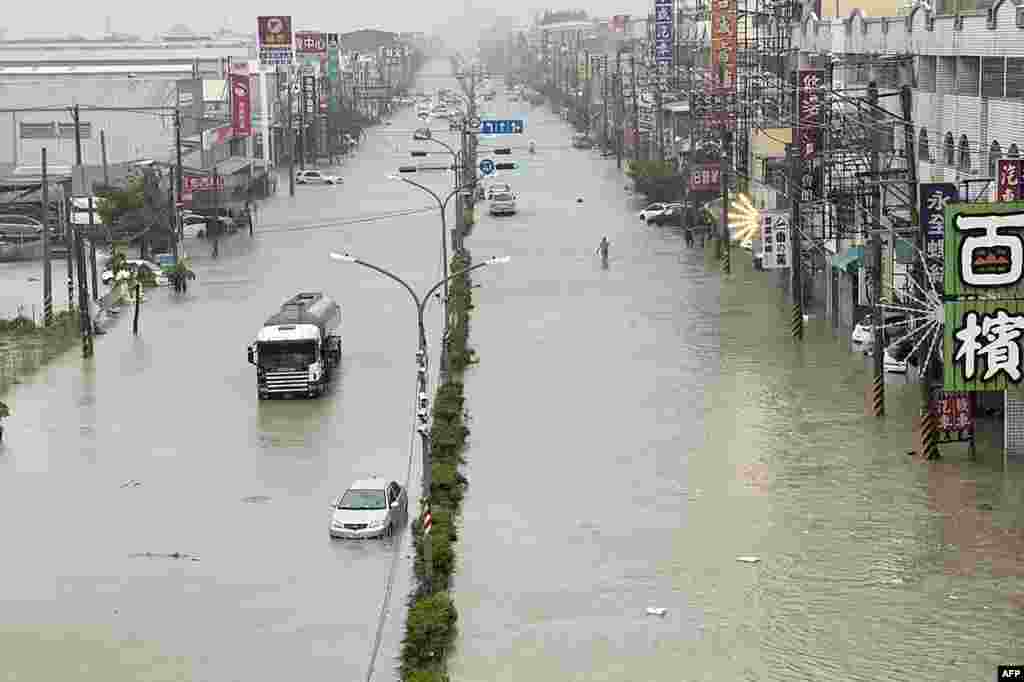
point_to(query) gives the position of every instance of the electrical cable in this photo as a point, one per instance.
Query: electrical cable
(303, 227)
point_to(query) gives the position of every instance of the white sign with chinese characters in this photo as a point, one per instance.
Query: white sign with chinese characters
(992, 341)
(775, 240)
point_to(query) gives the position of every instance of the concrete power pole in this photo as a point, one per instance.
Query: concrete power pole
(878, 352)
(83, 295)
(47, 267)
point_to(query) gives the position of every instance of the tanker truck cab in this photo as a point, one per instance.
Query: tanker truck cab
(295, 352)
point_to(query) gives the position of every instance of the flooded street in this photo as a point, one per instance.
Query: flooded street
(244, 485)
(637, 429)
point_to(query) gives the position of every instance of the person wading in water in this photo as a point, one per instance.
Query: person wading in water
(602, 248)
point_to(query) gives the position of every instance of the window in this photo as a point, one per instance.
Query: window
(1013, 153)
(965, 153)
(994, 152)
(922, 146)
(950, 150)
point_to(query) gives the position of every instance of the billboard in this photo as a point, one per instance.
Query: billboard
(810, 114)
(933, 197)
(775, 240)
(275, 40)
(706, 178)
(1008, 181)
(984, 308)
(310, 42)
(241, 108)
(190, 104)
(664, 26)
(723, 46)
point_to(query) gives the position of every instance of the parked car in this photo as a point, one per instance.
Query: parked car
(653, 210)
(582, 141)
(315, 177)
(498, 188)
(133, 265)
(369, 508)
(503, 203)
(864, 331)
(672, 215)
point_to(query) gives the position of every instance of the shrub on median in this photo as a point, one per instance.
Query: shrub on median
(430, 627)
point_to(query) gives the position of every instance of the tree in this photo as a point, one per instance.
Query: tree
(657, 180)
(181, 275)
(139, 208)
(128, 278)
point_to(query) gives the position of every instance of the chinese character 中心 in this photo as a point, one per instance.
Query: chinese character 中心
(1001, 331)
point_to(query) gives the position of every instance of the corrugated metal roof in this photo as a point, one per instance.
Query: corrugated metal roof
(100, 69)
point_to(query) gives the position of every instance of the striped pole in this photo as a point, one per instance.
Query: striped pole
(428, 558)
(725, 262)
(878, 396)
(428, 521)
(929, 436)
(797, 323)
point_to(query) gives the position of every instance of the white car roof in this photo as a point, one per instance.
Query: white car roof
(370, 484)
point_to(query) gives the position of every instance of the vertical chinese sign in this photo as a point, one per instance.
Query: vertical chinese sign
(934, 196)
(309, 94)
(810, 121)
(1009, 185)
(241, 108)
(275, 40)
(723, 61)
(664, 30)
(775, 240)
(984, 308)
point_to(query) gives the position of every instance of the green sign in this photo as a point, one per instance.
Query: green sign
(984, 250)
(984, 287)
(332, 65)
(983, 345)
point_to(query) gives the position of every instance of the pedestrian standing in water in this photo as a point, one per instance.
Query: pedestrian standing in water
(602, 248)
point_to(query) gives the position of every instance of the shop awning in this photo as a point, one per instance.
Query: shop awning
(232, 165)
(850, 256)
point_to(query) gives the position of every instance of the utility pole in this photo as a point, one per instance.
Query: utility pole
(83, 295)
(291, 137)
(636, 109)
(929, 427)
(47, 267)
(726, 251)
(605, 91)
(796, 261)
(302, 121)
(875, 240)
(620, 109)
(659, 125)
(103, 156)
(69, 244)
(179, 178)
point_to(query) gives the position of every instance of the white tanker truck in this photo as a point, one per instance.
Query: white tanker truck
(296, 351)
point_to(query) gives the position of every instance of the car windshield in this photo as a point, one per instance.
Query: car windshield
(655, 207)
(504, 196)
(362, 499)
(298, 355)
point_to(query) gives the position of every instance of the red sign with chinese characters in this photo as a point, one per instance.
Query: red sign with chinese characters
(202, 183)
(309, 42)
(810, 114)
(241, 113)
(706, 178)
(955, 411)
(723, 46)
(1009, 185)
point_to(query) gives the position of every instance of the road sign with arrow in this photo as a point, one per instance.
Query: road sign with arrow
(486, 166)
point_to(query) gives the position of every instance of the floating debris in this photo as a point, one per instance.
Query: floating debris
(656, 611)
(256, 499)
(749, 559)
(172, 555)
(131, 483)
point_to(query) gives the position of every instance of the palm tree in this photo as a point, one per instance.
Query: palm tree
(130, 279)
(181, 275)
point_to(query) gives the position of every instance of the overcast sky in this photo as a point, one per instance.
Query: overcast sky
(149, 18)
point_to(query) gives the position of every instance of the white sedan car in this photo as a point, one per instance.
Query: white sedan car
(158, 274)
(653, 210)
(370, 508)
(503, 203)
(315, 177)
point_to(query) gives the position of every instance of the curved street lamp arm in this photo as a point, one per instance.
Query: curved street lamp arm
(425, 189)
(455, 274)
(469, 185)
(391, 275)
(445, 145)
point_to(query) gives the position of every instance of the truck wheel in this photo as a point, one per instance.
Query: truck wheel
(261, 395)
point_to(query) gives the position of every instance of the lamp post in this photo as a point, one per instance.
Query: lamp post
(421, 356)
(442, 205)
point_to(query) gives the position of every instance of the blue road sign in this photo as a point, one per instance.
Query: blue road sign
(486, 166)
(502, 127)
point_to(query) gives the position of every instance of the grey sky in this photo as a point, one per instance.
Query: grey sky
(146, 19)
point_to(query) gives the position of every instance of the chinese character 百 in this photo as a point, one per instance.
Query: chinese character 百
(1001, 331)
(994, 259)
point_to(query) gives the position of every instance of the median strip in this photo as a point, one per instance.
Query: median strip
(430, 626)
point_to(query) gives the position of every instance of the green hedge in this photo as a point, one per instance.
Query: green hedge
(431, 625)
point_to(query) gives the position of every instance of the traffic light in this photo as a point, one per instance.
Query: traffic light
(407, 169)
(503, 150)
(418, 153)
(504, 166)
